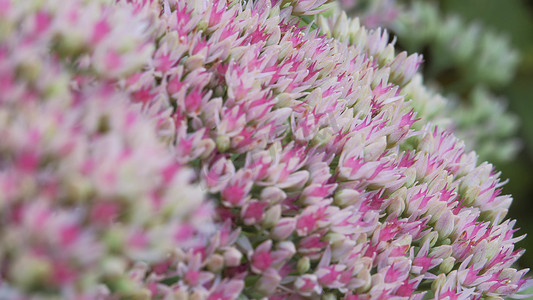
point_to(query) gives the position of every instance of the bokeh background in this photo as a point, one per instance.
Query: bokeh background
(515, 19)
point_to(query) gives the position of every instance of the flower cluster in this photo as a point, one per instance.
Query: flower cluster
(466, 62)
(323, 181)
(91, 202)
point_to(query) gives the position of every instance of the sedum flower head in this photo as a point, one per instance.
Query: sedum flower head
(322, 179)
(92, 204)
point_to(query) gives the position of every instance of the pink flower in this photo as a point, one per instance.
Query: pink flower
(217, 150)
(307, 285)
(262, 259)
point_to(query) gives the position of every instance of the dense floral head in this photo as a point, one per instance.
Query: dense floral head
(323, 180)
(91, 201)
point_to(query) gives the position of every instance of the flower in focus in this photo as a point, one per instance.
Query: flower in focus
(318, 178)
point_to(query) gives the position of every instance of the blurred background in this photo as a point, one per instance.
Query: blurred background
(513, 18)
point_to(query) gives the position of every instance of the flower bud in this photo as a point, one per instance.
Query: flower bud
(215, 263)
(404, 67)
(223, 143)
(360, 37)
(273, 195)
(334, 237)
(445, 224)
(447, 265)
(443, 251)
(195, 61)
(436, 209)
(268, 282)
(387, 55)
(410, 176)
(375, 149)
(295, 181)
(28, 271)
(303, 265)
(232, 257)
(115, 238)
(355, 27)
(287, 249)
(366, 279)
(283, 229)
(324, 26)
(471, 193)
(340, 29)
(114, 266)
(493, 247)
(397, 202)
(432, 237)
(346, 197)
(322, 137)
(438, 282)
(438, 182)
(272, 216)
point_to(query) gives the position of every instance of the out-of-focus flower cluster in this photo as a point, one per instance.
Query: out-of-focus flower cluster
(480, 55)
(323, 181)
(91, 202)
